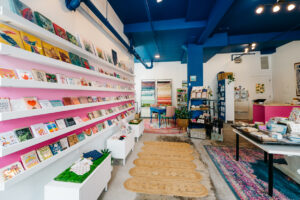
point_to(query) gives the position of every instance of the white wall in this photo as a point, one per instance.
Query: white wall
(284, 78)
(247, 74)
(175, 71)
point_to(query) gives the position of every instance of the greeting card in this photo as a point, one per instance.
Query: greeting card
(43, 21)
(84, 118)
(45, 104)
(39, 75)
(87, 45)
(30, 159)
(60, 123)
(64, 56)
(52, 127)
(67, 101)
(17, 104)
(56, 103)
(23, 134)
(61, 79)
(51, 78)
(39, 130)
(70, 121)
(59, 31)
(64, 143)
(88, 131)
(50, 50)
(31, 103)
(11, 171)
(56, 148)
(95, 129)
(85, 63)
(44, 153)
(100, 53)
(10, 36)
(72, 139)
(22, 9)
(72, 39)
(4, 105)
(80, 137)
(7, 139)
(75, 100)
(24, 74)
(75, 60)
(83, 100)
(32, 43)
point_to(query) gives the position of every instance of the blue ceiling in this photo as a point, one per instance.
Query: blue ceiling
(177, 23)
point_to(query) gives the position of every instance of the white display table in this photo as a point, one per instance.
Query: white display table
(120, 148)
(90, 189)
(137, 129)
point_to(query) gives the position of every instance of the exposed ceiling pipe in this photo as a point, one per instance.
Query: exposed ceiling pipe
(74, 4)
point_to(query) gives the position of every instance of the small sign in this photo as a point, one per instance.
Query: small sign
(193, 78)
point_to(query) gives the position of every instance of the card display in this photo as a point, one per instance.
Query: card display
(85, 63)
(32, 43)
(52, 127)
(72, 39)
(75, 60)
(64, 143)
(23, 134)
(7, 74)
(39, 130)
(30, 159)
(31, 103)
(95, 129)
(50, 51)
(75, 100)
(51, 78)
(77, 120)
(61, 79)
(72, 139)
(81, 137)
(59, 31)
(83, 100)
(10, 36)
(64, 56)
(17, 104)
(43, 22)
(22, 9)
(11, 171)
(100, 53)
(60, 123)
(56, 148)
(8, 139)
(70, 121)
(44, 153)
(24, 74)
(56, 103)
(39, 75)
(67, 101)
(45, 104)
(4, 105)
(88, 132)
(87, 45)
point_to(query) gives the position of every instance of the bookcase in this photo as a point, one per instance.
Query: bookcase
(17, 58)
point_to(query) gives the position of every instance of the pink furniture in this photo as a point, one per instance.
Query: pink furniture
(262, 113)
(170, 113)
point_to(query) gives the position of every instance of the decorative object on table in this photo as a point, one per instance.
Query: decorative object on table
(56, 148)
(30, 159)
(8, 138)
(135, 121)
(39, 130)
(39, 75)
(295, 115)
(10, 171)
(81, 167)
(260, 88)
(50, 50)
(44, 153)
(31, 103)
(4, 105)
(93, 155)
(22, 9)
(43, 22)
(10, 36)
(59, 31)
(297, 72)
(23, 134)
(32, 43)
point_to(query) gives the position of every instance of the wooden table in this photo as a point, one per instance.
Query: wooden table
(159, 111)
(269, 151)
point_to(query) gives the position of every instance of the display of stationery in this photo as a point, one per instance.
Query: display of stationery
(44, 153)
(72, 139)
(32, 43)
(23, 134)
(43, 22)
(39, 129)
(56, 148)
(11, 171)
(30, 159)
(22, 9)
(8, 138)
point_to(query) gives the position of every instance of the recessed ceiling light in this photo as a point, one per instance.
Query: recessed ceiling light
(291, 7)
(157, 56)
(276, 8)
(158, 1)
(259, 10)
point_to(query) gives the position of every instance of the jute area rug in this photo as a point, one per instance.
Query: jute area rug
(166, 168)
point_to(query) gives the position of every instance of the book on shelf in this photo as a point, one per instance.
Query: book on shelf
(64, 55)
(22, 9)
(8, 138)
(56, 103)
(44, 153)
(24, 74)
(72, 39)
(64, 143)
(52, 127)
(10, 36)
(23, 134)
(30, 159)
(72, 139)
(17, 104)
(43, 22)
(39, 75)
(7, 74)
(59, 31)
(31, 103)
(11, 171)
(50, 50)
(70, 121)
(61, 123)
(45, 104)
(32, 43)
(56, 148)
(51, 78)
(81, 137)
(39, 130)
(4, 105)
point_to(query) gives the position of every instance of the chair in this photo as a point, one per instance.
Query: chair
(170, 113)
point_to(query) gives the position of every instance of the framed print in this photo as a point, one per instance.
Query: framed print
(297, 70)
(193, 78)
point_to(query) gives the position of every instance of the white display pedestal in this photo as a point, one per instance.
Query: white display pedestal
(137, 129)
(120, 148)
(90, 189)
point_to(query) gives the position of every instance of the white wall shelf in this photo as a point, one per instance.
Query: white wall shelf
(40, 59)
(54, 86)
(29, 113)
(4, 151)
(9, 17)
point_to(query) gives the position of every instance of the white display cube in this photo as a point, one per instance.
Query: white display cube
(137, 129)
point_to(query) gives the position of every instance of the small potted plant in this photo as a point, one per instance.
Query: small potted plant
(182, 117)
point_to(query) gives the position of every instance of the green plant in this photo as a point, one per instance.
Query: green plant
(183, 113)
(105, 151)
(231, 78)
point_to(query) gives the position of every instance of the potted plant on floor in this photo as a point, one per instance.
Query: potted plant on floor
(182, 117)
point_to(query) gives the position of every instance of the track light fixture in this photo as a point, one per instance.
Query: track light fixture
(276, 7)
(250, 47)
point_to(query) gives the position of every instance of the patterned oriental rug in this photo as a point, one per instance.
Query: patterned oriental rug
(248, 178)
(153, 127)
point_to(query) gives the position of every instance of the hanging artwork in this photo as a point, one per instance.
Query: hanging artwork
(147, 93)
(297, 70)
(260, 88)
(164, 93)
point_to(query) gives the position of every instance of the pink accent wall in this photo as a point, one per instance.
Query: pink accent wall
(262, 113)
(14, 93)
